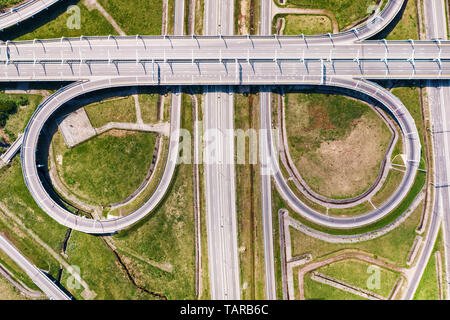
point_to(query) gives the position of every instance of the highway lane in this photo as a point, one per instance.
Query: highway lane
(12, 150)
(266, 182)
(36, 187)
(37, 276)
(219, 170)
(262, 72)
(215, 61)
(178, 26)
(23, 12)
(412, 151)
(198, 48)
(367, 30)
(438, 98)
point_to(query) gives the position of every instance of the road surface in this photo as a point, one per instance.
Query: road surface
(438, 98)
(23, 12)
(266, 183)
(221, 217)
(36, 275)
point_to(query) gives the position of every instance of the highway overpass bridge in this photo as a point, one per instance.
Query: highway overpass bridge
(342, 60)
(209, 60)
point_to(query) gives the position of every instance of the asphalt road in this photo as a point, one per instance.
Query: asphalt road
(223, 60)
(219, 170)
(216, 61)
(438, 98)
(36, 187)
(37, 276)
(178, 26)
(266, 182)
(23, 12)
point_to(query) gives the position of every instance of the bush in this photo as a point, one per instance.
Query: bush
(7, 107)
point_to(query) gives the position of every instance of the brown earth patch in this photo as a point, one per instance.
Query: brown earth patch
(348, 166)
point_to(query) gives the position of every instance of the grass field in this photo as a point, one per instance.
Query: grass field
(306, 24)
(92, 24)
(356, 273)
(143, 17)
(317, 291)
(323, 133)
(149, 107)
(410, 97)
(428, 286)
(8, 3)
(108, 168)
(99, 268)
(8, 292)
(407, 26)
(167, 235)
(346, 11)
(119, 109)
(17, 122)
(394, 246)
(248, 206)
(15, 197)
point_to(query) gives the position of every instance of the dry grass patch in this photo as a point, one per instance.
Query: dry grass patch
(337, 143)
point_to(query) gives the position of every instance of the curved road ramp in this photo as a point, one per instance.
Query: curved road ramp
(39, 278)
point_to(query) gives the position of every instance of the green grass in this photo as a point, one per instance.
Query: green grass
(15, 195)
(248, 207)
(111, 110)
(8, 3)
(99, 268)
(92, 24)
(306, 24)
(8, 292)
(328, 117)
(392, 182)
(410, 97)
(393, 246)
(346, 11)
(142, 17)
(428, 286)
(353, 211)
(407, 28)
(108, 168)
(167, 235)
(149, 107)
(317, 291)
(355, 273)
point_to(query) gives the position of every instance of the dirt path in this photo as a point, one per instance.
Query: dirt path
(277, 10)
(93, 4)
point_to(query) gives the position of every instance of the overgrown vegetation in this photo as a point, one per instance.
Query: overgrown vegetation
(8, 3)
(347, 12)
(108, 168)
(9, 105)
